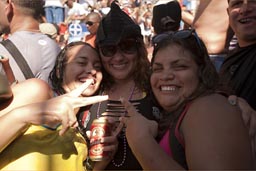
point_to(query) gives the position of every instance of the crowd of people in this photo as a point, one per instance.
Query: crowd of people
(176, 97)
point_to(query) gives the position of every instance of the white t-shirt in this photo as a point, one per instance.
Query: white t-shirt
(55, 3)
(77, 9)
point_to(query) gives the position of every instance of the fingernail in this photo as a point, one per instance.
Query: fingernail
(121, 99)
(232, 102)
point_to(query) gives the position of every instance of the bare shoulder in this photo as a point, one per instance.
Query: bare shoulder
(213, 110)
(216, 124)
(29, 91)
(33, 86)
(214, 103)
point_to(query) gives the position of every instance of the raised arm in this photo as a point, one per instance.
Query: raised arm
(140, 134)
(61, 109)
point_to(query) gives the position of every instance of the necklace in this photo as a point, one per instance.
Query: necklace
(123, 132)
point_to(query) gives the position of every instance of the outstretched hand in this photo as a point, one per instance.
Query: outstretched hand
(62, 108)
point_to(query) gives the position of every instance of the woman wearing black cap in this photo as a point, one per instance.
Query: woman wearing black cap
(125, 75)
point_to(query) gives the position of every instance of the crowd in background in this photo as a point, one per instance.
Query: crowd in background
(57, 16)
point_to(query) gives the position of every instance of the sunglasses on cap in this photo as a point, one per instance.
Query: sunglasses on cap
(89, 23)
(128, 46)
(181, 34)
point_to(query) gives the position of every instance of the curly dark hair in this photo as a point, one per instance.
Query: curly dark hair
(56, 75)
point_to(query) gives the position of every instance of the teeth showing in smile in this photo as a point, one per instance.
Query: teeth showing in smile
(120, 66)
(92, 81)
(168, 88)
(245, 20)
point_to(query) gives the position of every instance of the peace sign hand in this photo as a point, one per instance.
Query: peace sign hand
(62, 108)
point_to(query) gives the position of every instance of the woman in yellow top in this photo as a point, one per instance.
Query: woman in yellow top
(30, 131)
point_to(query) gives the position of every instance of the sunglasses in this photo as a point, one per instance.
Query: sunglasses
(181, 34)
(89, 23)
(128, 46)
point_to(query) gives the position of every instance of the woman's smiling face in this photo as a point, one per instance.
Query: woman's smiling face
(83, 64)
(174, 76)
(121, 65)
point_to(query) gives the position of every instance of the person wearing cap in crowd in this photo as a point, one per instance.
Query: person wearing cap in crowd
(166, 19)
(125, 74)
(22, 21)
(92, 22)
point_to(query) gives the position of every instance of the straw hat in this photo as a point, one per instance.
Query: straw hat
(48, 29)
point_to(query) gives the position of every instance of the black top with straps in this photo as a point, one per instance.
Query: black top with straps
(146, 107)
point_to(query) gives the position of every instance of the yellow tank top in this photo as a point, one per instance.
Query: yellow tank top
(43, 149)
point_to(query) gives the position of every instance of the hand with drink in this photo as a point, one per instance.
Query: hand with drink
(103, 141)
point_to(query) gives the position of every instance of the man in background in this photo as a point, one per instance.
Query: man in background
(211, 24)
(92, 22)
(166, 19)
(21, 20)
(239, 69)
(75, 12)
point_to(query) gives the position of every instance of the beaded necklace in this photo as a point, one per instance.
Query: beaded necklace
(123, 132)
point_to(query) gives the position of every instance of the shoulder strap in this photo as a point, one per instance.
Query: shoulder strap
(176, 145)
(20, 60)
